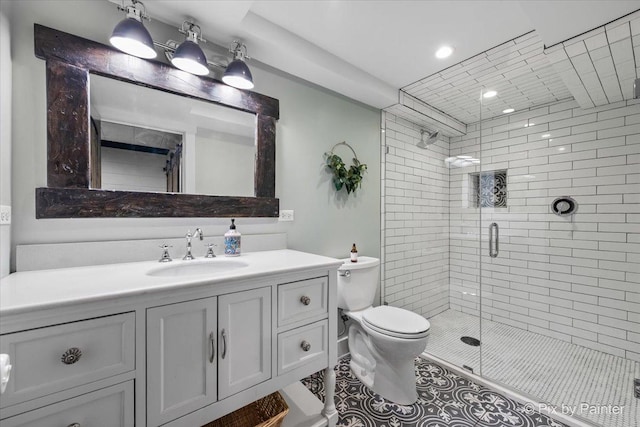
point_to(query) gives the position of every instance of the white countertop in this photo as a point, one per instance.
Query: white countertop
(44, 289)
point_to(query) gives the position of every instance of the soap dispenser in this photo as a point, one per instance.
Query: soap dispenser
(232, 241)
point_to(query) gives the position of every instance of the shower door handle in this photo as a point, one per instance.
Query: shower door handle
(494, 240)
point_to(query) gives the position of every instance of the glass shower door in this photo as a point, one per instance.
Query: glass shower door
(560, 303)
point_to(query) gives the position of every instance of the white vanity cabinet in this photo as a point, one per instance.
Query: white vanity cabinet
(124, 346)
(244, 340)
(202, 350)
(181, 365)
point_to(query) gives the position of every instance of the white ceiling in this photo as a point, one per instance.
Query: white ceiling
(367, 50)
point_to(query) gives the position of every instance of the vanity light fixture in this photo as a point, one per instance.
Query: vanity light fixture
(444, 52)
(130, 35)
(237, 73)
(189, 56)
(489, 94)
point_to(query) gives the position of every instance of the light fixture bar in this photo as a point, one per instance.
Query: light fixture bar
(130, 36)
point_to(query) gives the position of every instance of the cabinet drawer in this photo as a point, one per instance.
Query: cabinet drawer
(302, 300)
(59, 357)
(108, 407)
(302, 345)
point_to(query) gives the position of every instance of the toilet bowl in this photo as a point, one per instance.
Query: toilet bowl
(383, 341)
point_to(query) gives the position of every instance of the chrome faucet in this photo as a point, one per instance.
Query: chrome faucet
(189, 236)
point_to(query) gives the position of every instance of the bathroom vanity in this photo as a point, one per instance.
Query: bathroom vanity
(176, 344)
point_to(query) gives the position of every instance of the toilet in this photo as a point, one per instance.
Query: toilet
(383, 341)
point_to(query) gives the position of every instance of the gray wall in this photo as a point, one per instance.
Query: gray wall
(312, 120)
(5, 135)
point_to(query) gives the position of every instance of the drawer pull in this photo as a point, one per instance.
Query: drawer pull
(224, 344)
(305, 300)
(71, 356)
(305, 346)
(212, 348)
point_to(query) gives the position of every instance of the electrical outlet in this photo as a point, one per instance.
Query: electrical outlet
(5, 215)
(286, 215)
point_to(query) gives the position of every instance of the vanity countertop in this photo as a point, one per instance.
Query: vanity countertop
(43, 289)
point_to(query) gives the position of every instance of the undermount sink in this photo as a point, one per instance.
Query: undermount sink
(197, 268)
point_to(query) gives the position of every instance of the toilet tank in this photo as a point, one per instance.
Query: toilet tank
(357, 283)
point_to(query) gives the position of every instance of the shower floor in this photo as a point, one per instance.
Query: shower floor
(549, 369)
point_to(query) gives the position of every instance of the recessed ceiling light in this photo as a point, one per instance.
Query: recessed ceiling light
(490, 94)
(508, 110)
(444, 52)
(546, 135)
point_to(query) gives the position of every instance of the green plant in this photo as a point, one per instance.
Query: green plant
(350, 178)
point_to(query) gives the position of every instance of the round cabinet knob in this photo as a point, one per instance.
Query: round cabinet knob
(71, 356)
(305, 346)
(305, 300)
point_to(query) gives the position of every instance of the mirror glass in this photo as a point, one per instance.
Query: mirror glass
(149, 140)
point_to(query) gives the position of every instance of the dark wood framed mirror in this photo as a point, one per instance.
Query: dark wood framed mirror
(70, 60)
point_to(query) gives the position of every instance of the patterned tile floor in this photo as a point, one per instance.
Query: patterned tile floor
(444, 399)
(550, 369)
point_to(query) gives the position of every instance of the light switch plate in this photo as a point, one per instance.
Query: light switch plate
(5, 215)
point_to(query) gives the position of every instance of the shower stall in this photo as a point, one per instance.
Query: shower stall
(520, 242)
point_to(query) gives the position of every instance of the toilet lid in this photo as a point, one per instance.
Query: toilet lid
(396, 321)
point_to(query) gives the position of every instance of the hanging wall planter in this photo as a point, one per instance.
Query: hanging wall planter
(349, 178)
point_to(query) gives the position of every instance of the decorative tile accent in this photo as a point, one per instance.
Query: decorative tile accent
(444, 399)
(489, 189)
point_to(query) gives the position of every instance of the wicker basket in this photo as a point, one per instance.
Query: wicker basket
(266, 412)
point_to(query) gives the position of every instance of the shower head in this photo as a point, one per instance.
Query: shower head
(427, 138)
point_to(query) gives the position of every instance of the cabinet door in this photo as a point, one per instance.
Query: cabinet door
(181, 368)
(244, 340)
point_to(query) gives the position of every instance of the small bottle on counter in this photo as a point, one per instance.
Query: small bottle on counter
(232, 241)
(354, 253)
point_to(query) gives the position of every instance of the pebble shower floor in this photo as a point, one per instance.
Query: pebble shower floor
(444, 399)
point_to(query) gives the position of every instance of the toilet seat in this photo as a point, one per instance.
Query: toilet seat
(396, 322)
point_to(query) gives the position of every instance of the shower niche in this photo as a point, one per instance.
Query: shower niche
(488, 189)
